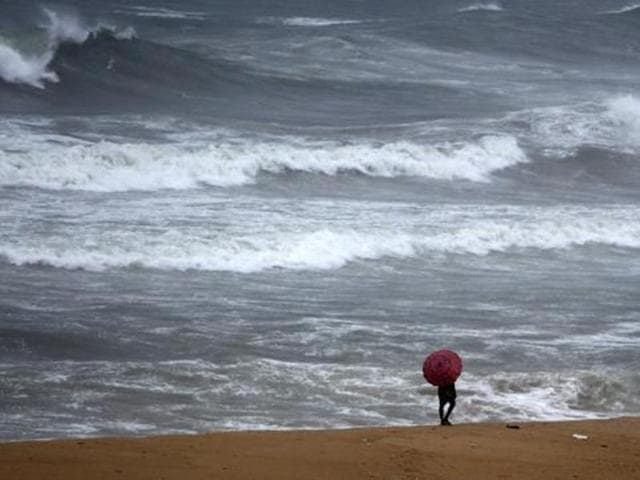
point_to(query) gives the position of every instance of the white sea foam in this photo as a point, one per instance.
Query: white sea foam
(613, 124)
(322, 249)
(395, 395)
(314, 248)
(490, 7)
(160, 12)
(229, 159)
(238, 394)
(307, 21)
(624, 113)
(543, 395)
(65, 163)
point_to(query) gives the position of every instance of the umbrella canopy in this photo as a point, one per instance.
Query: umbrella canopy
(442, 367)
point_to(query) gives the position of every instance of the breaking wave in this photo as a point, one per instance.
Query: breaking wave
(57, 162)
(35, 69)
(613, 124)
(27, 69)
(65, 163)
(549, 395)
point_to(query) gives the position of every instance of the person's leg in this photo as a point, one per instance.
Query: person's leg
(445, 421)
(441, 411)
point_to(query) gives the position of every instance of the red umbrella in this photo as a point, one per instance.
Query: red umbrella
(442, 367)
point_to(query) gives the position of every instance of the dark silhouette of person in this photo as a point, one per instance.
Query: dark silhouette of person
(446, 395)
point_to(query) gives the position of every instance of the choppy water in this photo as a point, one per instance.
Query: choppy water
(232, 215)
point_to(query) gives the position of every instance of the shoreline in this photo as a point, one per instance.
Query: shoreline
(535, 450)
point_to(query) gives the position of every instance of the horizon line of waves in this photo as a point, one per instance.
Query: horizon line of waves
(317, 248)
(629, 8)
(64, 163)
(34, 69)
(487, 7)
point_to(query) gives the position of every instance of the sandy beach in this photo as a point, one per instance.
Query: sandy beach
(611, 450)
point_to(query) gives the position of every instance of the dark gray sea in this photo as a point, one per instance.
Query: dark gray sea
(261, 214)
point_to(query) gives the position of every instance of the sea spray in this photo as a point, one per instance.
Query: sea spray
(63, 27)
(32, 70)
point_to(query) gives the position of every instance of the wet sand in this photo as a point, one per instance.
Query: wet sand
(471, 451)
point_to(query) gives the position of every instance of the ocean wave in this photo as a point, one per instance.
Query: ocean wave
(489, 7)
(35, 69)
(549, 395)
(65, 163)
(197, 158)
(316, 248)
(319, 250)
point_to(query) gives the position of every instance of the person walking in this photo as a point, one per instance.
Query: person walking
(441, 369)
(446, 395)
